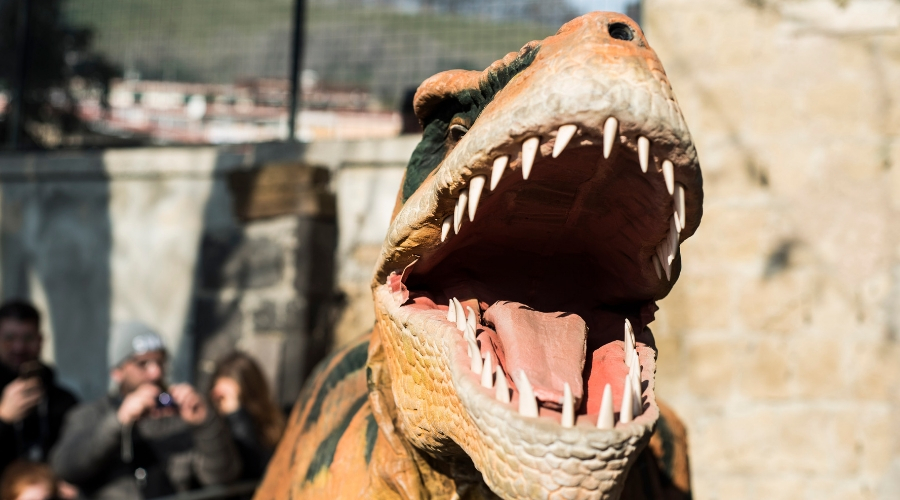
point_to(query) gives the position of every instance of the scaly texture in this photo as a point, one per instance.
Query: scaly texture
(594, 183)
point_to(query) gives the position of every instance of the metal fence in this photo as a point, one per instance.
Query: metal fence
(201, 71)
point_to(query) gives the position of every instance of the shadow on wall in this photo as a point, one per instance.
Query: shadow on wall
(216, 248)
(265, 271)
(55, 238)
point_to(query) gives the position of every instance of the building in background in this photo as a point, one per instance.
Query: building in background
(216, 72)
(245, 112)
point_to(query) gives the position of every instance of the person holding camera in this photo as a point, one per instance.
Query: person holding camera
(32, 406)
(144, 440)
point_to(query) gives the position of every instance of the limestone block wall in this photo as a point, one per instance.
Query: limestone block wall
(172, 237)
(152, 234)
(366, 178)
(779, 346)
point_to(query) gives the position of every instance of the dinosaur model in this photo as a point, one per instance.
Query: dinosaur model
(538, 222)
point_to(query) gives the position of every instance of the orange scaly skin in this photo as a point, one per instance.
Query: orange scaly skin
(400, 414)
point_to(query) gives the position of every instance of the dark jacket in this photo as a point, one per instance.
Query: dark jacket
(255, 455)
(168, 455)
(33, 436)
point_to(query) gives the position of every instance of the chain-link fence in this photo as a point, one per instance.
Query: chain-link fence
(201, 71)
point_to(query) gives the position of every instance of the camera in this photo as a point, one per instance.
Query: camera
(164, 400)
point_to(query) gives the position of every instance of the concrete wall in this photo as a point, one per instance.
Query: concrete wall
(98, 237)
(151, 234)
(366, 179)
(779, 346)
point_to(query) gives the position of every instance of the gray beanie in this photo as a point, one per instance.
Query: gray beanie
(131, 338)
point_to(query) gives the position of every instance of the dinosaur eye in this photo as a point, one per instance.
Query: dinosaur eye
(621, 31)
(457, 132)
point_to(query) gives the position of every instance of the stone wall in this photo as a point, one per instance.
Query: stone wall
(154, 235)
(779, 346)
(265, 277)
(367, 175)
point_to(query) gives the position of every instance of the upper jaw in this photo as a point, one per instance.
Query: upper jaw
(416, 231)
(640, 102)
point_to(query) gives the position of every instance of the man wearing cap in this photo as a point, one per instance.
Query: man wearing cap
(143, 441)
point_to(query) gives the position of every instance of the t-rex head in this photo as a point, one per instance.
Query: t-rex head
(548, 196)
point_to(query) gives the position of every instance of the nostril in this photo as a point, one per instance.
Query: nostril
(621, 31)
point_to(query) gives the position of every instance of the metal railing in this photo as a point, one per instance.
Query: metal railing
(217, 492)
(201, 71)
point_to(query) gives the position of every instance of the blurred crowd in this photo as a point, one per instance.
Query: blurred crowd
(145, 439)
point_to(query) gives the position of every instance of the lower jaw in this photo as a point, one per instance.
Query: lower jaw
(442, 409)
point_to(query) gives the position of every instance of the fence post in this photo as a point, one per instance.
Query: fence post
(296, 65)
(21, 65)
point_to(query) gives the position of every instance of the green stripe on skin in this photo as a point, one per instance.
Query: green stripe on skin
(353, 360)
(464, 107)
(325, 452)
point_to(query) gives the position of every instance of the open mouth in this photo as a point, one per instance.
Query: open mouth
(518, 278)
(541, 273)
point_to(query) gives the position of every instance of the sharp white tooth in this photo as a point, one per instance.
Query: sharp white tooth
(669, 174)
(625, 410)
(568, 409)
(656, 266)
(497, 170)
(674, 229)
(529, 151)
(673, 238)
(637, 408)
(487, 373)
(563, 136)
(661, 256)
(460, 209)
(502, 385)
(629, 341)
(677, 219)
(460, 315)
(469, 333)
(527, 403)
(664, 245)
(679, 204)
(662, 252)
(606, 419)
(445, 227)
(628, 352)
(644, 153)
(476, 184)
(609, 135)
(470, 319)
(451, 312)
(475, 357)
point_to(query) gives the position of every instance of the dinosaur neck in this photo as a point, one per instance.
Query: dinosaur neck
(403, 468)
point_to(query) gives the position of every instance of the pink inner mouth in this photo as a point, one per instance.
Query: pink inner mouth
(553, 349)
(552, 268)
(548, 347)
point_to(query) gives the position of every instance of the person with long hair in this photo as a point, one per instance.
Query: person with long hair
(240, 393)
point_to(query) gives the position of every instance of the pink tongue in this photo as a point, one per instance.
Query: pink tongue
(549, 347)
